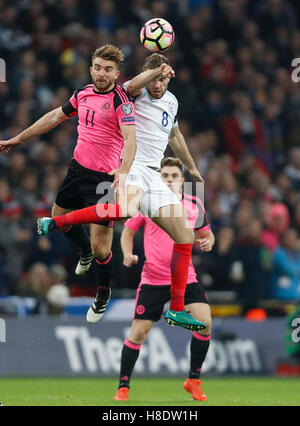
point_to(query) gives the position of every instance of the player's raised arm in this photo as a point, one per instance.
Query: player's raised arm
(43, 125)
(178, 145)
(137, 84)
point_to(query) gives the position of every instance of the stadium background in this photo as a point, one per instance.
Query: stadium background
(239, 112)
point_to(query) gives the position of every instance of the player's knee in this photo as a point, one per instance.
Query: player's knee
(129, 208)
(207, 330)
(100, 252)
(139, 334)
(132, 211)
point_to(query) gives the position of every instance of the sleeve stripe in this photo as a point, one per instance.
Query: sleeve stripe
(68, 109)
(205, 228)
(122, 95)
(82, 88)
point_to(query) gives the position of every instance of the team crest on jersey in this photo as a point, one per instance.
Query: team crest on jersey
(106, 106)
(127, 109)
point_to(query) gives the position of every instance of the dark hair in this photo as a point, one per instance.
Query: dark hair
(109, 52)
(154, 61)
(172, 162)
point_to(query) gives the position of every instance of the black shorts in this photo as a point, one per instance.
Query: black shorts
(81, 188)
(151, 299)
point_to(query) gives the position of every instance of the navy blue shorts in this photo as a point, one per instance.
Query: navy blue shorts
(151, 299)
(80, 189)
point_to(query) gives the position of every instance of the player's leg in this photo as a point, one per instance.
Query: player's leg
(101, 242)
(69, 198)
(199, 308)
(127, 206)
(173, 220)
(130, 353)
(78, 235)
(150, 301)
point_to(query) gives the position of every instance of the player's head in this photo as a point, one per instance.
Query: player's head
(158, 87)
(172, 173)
(105, 64)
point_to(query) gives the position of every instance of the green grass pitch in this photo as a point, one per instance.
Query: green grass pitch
(249, 391)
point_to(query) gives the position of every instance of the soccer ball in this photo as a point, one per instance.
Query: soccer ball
(157, 34)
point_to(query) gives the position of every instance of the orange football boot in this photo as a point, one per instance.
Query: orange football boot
(122, 394)
(194, 387)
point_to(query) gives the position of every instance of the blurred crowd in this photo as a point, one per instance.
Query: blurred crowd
(239, 112)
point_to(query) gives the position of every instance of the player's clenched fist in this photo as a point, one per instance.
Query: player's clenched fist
(167, 71)
(130, 259)
(204, 244)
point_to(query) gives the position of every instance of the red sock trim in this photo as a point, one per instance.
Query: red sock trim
(105, 262)
(132, 345)
(201, 336)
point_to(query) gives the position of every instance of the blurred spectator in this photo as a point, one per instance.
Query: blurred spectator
(286, 268)
(217, 64)
(16, 168)
(14, 235)
(296, 217)
(293, 167)
(106, 18)
(253, 286)
(185, 91)
(12, 38)
(139, 12)
(224, 254)
(228, 194)
(49, 250)
(274, 133)
(280, 187)
(207, 114)
(277, 225)
(243, 131)
(46, 287)
(27, 190)
(57, 298)
(36, 281)
(231, 19)
(271, 14)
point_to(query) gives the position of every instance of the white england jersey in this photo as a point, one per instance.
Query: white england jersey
(155, 118)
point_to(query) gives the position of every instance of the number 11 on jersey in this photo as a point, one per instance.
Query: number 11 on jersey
(86, 117)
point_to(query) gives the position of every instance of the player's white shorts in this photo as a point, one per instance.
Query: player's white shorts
(156, 193)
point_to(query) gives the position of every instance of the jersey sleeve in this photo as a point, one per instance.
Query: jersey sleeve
(132, 98)
(205, 223)
(70, 107)
(175, 123)
(202, 222)
(124, 107)
(135, 222)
